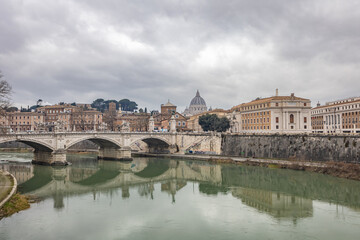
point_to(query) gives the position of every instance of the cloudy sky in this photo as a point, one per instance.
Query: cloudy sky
(149, 51)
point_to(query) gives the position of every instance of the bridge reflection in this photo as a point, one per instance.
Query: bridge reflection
(281, 194)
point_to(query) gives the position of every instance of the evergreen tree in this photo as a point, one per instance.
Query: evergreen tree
(214, 123)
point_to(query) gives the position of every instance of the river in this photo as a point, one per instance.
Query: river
(156, 198)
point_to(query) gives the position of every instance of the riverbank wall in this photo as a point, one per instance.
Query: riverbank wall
(304, 147)
(8, 187)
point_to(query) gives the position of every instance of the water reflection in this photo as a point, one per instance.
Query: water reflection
(280, 194)
(277, 205)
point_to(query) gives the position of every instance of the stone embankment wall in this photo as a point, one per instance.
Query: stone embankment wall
(340, 148)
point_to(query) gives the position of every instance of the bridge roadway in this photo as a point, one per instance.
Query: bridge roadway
(50, 148)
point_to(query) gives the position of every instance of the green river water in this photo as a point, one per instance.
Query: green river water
(156, 198)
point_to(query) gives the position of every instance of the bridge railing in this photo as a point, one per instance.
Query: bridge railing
(105, 132)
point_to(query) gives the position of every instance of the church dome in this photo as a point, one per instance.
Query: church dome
(197, 100)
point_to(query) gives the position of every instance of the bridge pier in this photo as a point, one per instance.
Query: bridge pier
(50, 158)
(123, 153)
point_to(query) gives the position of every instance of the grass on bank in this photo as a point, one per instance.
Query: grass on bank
(16, 203)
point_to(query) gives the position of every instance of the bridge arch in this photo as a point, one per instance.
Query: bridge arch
(36, 144)
(102, 142)
(155, 144)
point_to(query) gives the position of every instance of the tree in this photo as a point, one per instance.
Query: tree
(11, 109)
(141, 110)
(214, 123)
(5, 93)
(127, 105)
(99, 104)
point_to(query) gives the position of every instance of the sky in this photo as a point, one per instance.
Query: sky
(232, 51)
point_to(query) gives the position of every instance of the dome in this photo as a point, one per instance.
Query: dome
(197, 100)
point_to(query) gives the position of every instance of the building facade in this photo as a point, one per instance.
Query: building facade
(62, 117)
(24, 121)
(162, 119)
(341, 116)
(137, 122)
(86, 120)
(277, 114)
(181, 123)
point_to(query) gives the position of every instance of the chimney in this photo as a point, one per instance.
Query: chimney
(292, 96)
(318, 104)
(277, 92)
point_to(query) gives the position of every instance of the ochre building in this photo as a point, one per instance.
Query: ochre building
(277, 114)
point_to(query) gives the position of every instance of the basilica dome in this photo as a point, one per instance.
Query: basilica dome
(197, 105)
(197, 100)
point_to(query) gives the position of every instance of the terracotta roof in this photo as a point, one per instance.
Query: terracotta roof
(24, 113)
(337, 104)
(57, 106)
(269, 99)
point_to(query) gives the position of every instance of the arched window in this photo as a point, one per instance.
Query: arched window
(291, 118)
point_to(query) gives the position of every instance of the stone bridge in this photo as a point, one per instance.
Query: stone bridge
(50, 148)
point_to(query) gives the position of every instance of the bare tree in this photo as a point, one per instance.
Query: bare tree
(5, 93)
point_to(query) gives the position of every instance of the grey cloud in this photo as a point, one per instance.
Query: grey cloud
(149, 51)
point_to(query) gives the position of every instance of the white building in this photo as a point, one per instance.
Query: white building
(341, 116)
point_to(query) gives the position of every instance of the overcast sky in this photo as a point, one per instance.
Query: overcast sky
(150, 51)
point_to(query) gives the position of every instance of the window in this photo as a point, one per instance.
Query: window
(305, 119)
(276, 104)
(291, 118)
(277, 119)
(305, 126)
(277, 126)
